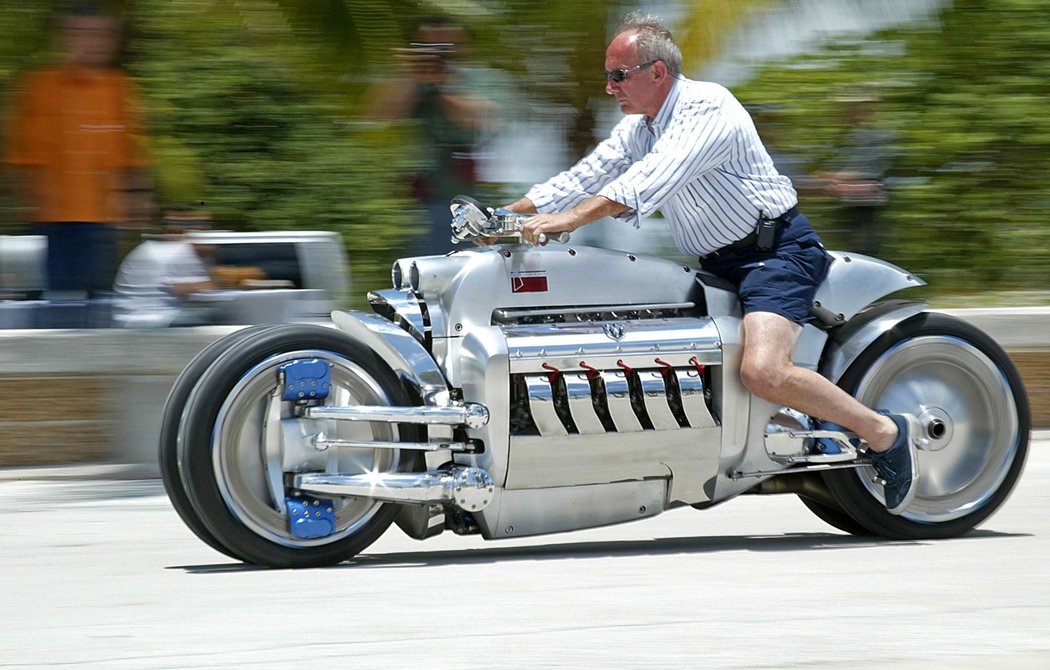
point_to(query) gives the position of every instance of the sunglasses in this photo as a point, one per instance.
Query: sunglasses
(621, 74)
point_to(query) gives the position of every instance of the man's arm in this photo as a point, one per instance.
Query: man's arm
(590, 210)
(522, 206)
(425, 74)
(698, 140)
(574, 186)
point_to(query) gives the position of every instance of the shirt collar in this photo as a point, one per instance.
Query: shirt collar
(663, 117)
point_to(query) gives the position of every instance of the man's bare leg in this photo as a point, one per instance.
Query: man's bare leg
(767, 371)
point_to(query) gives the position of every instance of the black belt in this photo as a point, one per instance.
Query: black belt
(751, 238)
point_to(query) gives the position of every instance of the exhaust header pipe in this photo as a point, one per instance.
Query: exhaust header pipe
(469, 488)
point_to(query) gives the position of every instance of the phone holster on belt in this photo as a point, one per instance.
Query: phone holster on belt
(765, 234)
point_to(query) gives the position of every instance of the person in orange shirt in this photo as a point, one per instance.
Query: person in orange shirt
(71, 137)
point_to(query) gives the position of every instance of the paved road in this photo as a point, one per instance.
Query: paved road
(102, 574)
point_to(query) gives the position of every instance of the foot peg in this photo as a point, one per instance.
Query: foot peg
(791, 439)
(842, 440)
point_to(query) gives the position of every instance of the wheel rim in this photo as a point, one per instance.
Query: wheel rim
(243, 457)
(970, 429)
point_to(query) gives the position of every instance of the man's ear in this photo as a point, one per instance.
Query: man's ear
(659, 71)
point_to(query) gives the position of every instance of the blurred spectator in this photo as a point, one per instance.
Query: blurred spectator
(858, 172)
(165, 280)
(71, 138)
(437, 92)
(768, 118)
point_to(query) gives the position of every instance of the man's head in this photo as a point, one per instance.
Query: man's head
(437, 40)
(180, 220)
(439, 29)
(90, 34)
(641, 65)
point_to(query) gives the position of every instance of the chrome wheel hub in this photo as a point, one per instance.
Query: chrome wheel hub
(966, 407)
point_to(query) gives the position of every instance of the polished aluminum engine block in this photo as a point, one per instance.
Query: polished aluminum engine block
(611, 376)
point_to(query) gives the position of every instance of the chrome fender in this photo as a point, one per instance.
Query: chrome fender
(856, 336)
(409, 360)
(855, 281)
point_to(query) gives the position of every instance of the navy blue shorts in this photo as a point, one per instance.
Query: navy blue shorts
(782, 280)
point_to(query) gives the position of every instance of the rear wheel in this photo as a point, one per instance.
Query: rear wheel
(834, 516)
(236, 454)
(971, 404)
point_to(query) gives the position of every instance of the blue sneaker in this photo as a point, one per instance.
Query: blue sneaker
(897, 466)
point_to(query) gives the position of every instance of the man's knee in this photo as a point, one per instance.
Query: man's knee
(766, 364)
(761, 377)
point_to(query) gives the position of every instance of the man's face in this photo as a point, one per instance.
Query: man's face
(91, 41)
(638, 93)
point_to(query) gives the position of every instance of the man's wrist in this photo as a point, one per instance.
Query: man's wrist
(522, 206)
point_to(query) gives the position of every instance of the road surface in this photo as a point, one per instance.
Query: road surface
(103, 574)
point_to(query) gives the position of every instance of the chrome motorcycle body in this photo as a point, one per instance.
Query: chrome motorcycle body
(512, 390)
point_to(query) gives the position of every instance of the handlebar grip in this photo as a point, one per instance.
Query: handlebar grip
(562, 238)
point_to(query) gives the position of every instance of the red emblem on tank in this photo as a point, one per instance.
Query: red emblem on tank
(528, 282)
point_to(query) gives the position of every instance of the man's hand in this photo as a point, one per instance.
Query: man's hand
(586, 212)
(548, 224)
(590, 210)
(423, 66)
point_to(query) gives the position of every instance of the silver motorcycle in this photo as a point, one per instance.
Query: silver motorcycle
(514, 390)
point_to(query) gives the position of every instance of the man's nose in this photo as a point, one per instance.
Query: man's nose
(609, 83)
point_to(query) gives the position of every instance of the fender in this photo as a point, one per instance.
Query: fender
(845, 305)
(854, 282)
(409, 360)
(856, 336)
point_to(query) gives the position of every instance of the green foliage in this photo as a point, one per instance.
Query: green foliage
(966, 99)
(248, 115)
(252, 109)
(242, 121)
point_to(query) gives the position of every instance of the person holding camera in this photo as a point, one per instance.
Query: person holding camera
(433, 93)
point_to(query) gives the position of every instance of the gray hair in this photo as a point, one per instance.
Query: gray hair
(654, 40)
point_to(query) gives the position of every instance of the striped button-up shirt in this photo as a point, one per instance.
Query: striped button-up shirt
(700, 162)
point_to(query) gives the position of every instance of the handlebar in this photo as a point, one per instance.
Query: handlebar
(471, 220)
(561, 238)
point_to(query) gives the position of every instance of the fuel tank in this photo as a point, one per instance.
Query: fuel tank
(519, 284)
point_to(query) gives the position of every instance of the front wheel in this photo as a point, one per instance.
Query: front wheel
(239, 447)
(971, 404)
(171, 424)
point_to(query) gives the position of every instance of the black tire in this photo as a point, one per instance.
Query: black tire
(225, 477)
(835, 517)
(972, 405)
(168, 448)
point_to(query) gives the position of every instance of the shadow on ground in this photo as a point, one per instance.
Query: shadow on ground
(606, 549)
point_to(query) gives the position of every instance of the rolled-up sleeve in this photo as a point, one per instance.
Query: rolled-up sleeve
(606, 162)
(697, 140)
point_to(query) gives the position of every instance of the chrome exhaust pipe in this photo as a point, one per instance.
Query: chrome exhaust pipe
(322, 442)
(473, 414)
(469, 488)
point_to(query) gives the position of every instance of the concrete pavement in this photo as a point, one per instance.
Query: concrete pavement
(103, 574)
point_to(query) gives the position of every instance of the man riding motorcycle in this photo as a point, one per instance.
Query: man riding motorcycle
(689, 149)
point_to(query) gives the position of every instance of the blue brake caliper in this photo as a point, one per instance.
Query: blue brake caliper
(308, 379)
(310, 517)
